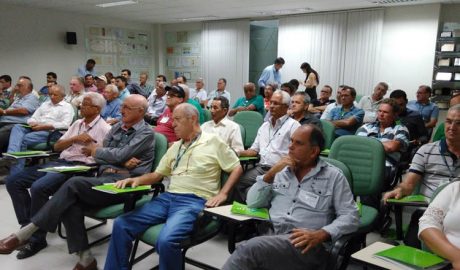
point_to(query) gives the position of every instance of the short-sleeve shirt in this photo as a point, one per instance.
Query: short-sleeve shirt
(164, 125)
(29, 101)
(196, 169)
(257, 101)
(216, 93)
(227, 130)
(427, 111)
(338, 114)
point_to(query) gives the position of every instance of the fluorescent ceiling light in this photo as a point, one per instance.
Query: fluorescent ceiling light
(286, 11)
(119, 3)
(203, 18)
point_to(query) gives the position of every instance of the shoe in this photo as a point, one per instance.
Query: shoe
(31, 249)
(7, 245)
(91, 266)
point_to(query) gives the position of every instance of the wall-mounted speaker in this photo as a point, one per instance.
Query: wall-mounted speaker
(71, 38)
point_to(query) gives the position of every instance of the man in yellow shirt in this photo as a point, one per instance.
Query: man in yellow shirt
(194, 164)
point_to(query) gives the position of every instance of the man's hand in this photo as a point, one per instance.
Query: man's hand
(285, 161)
(89, 149)
(112, 121)
(83, 138)
(132, 163)
(307, 239)
(395, 193)
(216, 200)
(128, 182)
(39, 127)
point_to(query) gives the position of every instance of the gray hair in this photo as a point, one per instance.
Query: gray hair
(455, 108)
(96, 99)
(80, 80)
(186, 90)
(112, 88)
(60, 88)
(305, 96)
(285, 95)
(188, 110)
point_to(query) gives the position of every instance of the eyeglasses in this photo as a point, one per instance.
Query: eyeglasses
(87, 105)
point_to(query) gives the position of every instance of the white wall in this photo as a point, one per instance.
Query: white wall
(408, 47)
(33, 42)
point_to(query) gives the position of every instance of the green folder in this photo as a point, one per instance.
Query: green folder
(25, 154)
(410, 198)
(110, 188)
(242, 209)
(62, 169)
(413, 258)
(325, 152)
(247, 158)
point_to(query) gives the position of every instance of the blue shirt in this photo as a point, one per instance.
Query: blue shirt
(112, 110)
(123, 94)
(82, 71)
(338, 114)
(427, 111)
(29, 101)
(269, 75)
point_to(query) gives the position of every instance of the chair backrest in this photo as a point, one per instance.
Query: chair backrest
(344, 168)
(439, 132)
(161, 146)
(329, 133)
(207, 115)
(365, 157)
(243, 132)
(251, 121)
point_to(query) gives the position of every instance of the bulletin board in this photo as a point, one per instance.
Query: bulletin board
(183, 54)
(114, 49)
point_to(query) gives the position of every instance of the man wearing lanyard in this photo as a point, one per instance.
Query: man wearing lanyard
(42, 184)
(271, 142)
(433, 165)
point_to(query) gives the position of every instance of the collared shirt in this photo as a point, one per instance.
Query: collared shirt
(318, 102)
(196, 169)
(269, 75)
(427, 111)
(164, 125)
(327, 112)
(60, 115)
(257, 101)
(414, 123)
(217, 93)
(321, 200)
(75, 99)
(201, 95)
(146, 89)
(82, 71)
(123, 94)
(435, 170)
(97, 129)
(91, 88)
(338, 114)
(272, 142)
(369, 107)
(156, 105)
(29, 101)
(395, 132)
(120, 145)
(227, 130)
(310, 119)
(112, 110)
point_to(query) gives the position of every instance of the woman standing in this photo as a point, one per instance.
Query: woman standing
(311, 81)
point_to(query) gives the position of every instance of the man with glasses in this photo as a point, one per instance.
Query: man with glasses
(127, 151)
(174, 97)
(427, 109)
(91, 128)
(220, 91)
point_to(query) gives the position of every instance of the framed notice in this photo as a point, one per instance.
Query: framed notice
(448, 47)
(443, 76)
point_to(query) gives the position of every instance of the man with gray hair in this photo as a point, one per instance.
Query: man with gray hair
(127, 151)
(42, 184)
(54, 114)
(194, 164)
(271, 142)
(157, 103)
(111, 112)
(77, 91)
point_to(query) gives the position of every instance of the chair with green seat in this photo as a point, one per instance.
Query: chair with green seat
(207, 115)
(205, 228)
(329, 133)
(251, 121)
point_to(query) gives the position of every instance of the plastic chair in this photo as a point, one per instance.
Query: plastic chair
(439, 132)
(251, 121)
(329, 133)
(207, 115)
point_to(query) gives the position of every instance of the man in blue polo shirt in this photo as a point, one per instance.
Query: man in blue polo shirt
(428, 110)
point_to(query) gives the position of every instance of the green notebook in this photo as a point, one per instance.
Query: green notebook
(25, 154)
(242, 209)
(110, 188)
(325, 152)
(61, 169)
(411, 258)
(410, 198)
(247, 158)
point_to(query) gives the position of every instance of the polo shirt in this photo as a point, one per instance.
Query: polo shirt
(338, 113)
(257, 101)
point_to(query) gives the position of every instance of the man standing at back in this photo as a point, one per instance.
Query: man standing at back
(271, 74)
(87, 69)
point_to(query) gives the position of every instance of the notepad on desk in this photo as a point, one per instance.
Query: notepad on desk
(110, 188)
(62, 169)
(242, 209)
(411, 199)
(26, 154)
(407, 257)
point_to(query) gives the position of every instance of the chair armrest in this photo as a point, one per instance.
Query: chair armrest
(337, 248)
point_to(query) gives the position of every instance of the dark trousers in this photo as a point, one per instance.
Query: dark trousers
(411, 237)
(69, 203)
(42, 185)
(5, 130)
(246, 181)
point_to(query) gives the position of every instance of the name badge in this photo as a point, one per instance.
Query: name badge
(309, 198)
(164, 120)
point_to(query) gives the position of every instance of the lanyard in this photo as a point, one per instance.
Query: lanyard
(452, 175)
(91, 127)
(180, 153)
(270, 137)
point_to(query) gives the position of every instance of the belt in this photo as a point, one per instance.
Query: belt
(112, 170)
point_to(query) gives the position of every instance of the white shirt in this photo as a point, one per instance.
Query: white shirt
(201, 95)
(60, 115)
(272, 142)
(75, 99)
(370, 108)
(156, 105)
(227, 130)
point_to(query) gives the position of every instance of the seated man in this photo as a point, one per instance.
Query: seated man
(51, 79)
(439, 134)
(101, 83)
(346, 118)
(193, 102)
(250, 102)
(77, 90)
(123, 91)
(370, 104)
(51, 115)
(19, 111)
(433, 165)
(144, 86)
(128, 150)
(310, 204)
(89, 83)
(5, 91)
(42, 185)
(133, 88)
(201, 94)
(194, 165)
(175, 96)
(327, 111)
(300, 102)
(427, 109)
(227, 130)
(271, 142)
(111, 113)
(157, 104)
(318, 106)
(220, 91)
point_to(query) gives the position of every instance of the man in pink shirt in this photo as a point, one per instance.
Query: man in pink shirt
(91, 129)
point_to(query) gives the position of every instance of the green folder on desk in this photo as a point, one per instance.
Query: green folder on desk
(63, 169)
(242, 209)
(410, 199)
(247, 158)
(26, 154)
(411, 258)
(110, 188)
